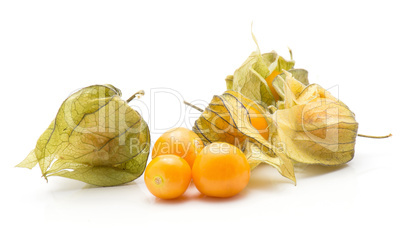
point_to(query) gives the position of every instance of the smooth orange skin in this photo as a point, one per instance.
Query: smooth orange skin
(221, 170)
(259, 122)
(269, 80)
(179, 141)
(167, 176)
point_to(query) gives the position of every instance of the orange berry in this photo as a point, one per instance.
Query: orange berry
(178, 141)
(269, 80)
(167, 176)
(259, 122)
(221, 170)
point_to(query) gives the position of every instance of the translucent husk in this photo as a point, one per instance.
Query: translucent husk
(315, 127)
(96, 138)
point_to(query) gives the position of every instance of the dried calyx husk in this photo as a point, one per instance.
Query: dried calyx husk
(227, 119)
(310, 127)
(96, 138)
(306, 123)
(313, 125)
(255, 76)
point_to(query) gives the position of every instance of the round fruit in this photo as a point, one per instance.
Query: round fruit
(221, 170)
(259, 122)
(167, 176)
(178, 141)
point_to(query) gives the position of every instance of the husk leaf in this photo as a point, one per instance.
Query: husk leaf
(96, 138)
(227, 119)
(316, 127)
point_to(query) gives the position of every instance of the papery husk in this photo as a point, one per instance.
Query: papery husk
(96, 138)
(227, 119)
(314, 126)
(250, 78)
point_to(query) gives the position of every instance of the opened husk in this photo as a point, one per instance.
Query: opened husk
(227, 119)
(316, 127)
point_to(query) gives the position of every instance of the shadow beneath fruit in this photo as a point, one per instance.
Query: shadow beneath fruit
(62, 186)
(192, 195)
(307, 171)
(207, 199)
(266, 177)
(90, 186)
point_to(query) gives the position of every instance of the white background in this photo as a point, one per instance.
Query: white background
(49, 49)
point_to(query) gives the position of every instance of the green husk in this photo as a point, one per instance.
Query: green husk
(96, 138)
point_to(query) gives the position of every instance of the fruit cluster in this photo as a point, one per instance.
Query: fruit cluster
(217, 170)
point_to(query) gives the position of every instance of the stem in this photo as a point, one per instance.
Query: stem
(291, 53)
(139, 94)
(193, 106)
(375, 137)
